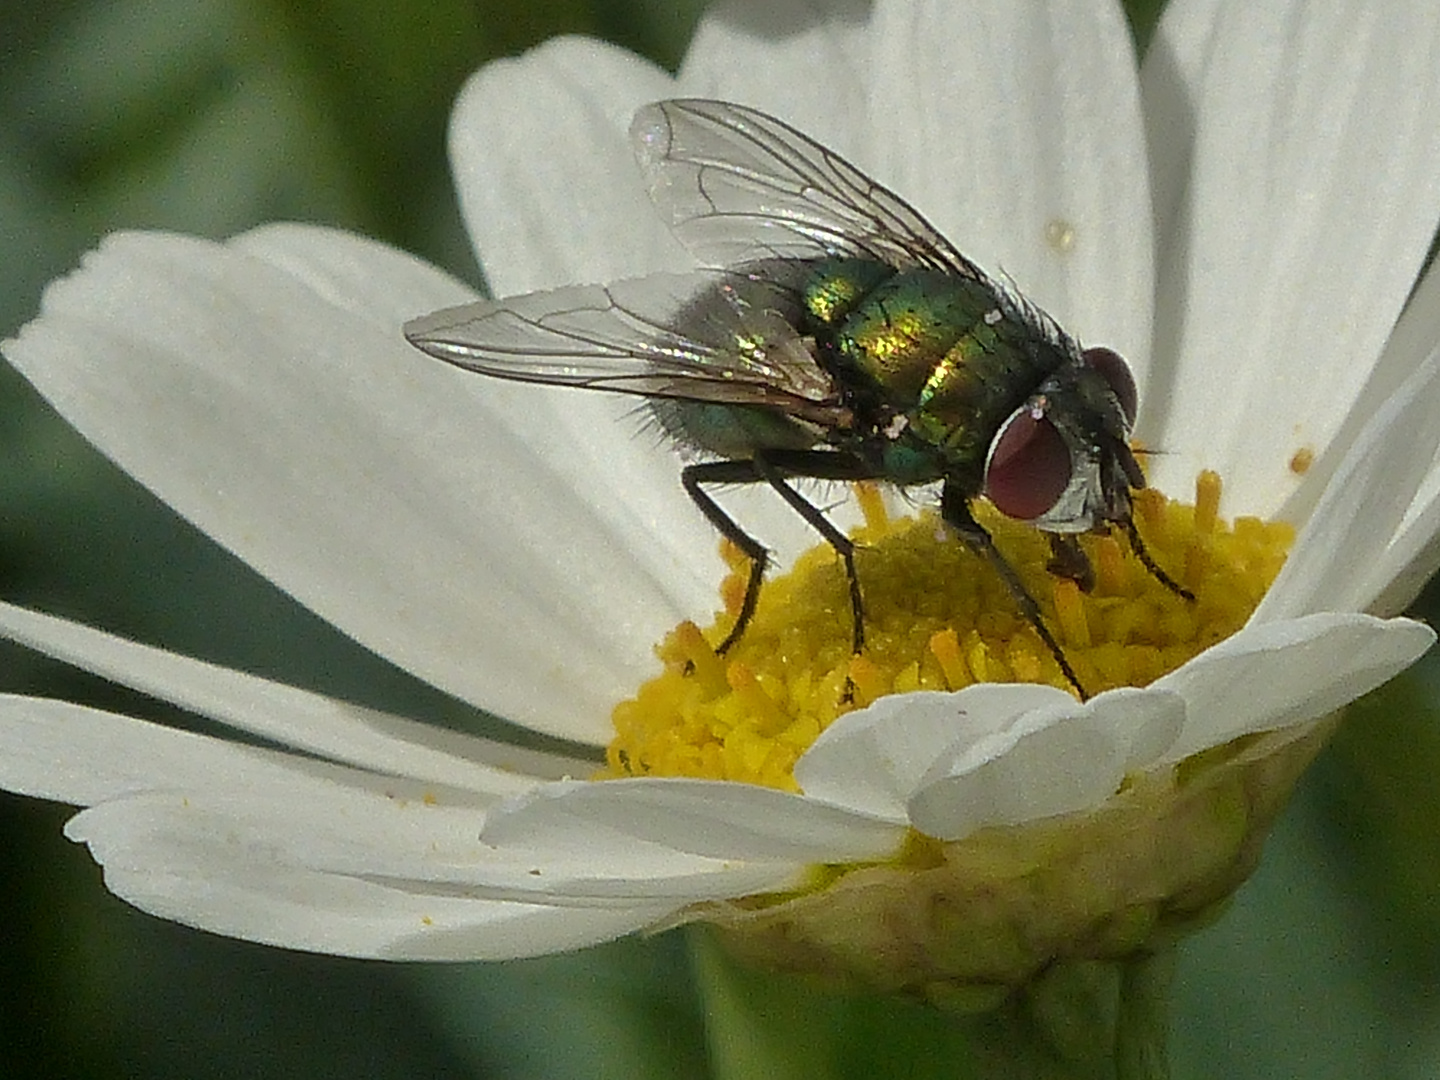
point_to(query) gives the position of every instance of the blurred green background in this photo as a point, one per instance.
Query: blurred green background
(213, 115)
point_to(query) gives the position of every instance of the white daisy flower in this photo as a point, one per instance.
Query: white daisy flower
(1243, 218)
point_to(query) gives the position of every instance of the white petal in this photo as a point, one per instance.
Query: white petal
(222, 806)
(872, 759)
(802, 63)
(716, 819)
(338, 730)
(1340, 560)
(1412, 340)
(1170, 78)
(160, 858)
(78, 755)
(547, 181)
(615, 871)
(1272, 675)
(286, 417)
(1315, 188)
(426, 840)
(1413, 555)
(1017, 129)
(1063, 757)
(286, 850)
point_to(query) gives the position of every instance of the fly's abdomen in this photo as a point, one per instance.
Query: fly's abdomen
(731, 431)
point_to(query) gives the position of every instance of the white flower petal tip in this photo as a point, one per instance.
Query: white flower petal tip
(546, 179)
(1026, 764)
(1274, 675)
(170, 858)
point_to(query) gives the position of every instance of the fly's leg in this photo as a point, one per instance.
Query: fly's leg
(730, 472)
(1136, 477)
(1137, 545)
(843, 545)
(955, 510)
(776, 467)
(1068, 560)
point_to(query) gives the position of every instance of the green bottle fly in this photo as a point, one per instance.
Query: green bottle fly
(837, 336)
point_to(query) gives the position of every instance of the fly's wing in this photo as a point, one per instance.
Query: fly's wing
(711, 336)
(738, 186)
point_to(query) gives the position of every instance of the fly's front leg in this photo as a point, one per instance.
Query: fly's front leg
(730, 472)
(1068, 560)
(1142, 553)
(955, 510)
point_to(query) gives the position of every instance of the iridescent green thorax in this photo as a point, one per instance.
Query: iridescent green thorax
(948, 354)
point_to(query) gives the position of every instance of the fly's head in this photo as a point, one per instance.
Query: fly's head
(1062, 460)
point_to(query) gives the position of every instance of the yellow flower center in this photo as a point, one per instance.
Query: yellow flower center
(937, 617)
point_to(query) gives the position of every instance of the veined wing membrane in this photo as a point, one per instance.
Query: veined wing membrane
(738, 186)
(709, 336)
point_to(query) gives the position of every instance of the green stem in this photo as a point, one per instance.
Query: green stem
(1141, 1024)
(755, 1025)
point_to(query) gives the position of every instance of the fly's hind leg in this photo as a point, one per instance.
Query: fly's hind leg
(774, 475)
(776, 467)
(730, 472)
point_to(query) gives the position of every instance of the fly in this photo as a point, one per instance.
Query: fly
(835, 335)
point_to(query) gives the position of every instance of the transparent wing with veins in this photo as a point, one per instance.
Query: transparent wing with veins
(712, 336)
(738, 186)
(748, 195)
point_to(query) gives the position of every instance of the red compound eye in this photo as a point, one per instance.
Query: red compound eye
(1029, 466)
(1109, 365)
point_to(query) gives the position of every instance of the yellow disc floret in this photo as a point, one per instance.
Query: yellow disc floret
(937, 617)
